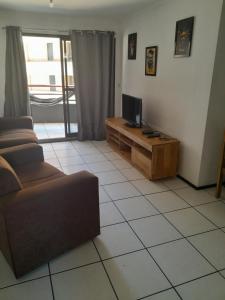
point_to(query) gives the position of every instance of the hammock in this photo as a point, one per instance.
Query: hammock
(46, 102)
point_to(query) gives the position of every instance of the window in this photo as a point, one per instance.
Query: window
(52, 83)
(50, 51)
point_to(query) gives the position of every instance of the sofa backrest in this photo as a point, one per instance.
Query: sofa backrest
(9, 181)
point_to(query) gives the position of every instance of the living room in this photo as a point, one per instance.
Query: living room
(162, 225)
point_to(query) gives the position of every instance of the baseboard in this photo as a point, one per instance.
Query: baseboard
(198, 187)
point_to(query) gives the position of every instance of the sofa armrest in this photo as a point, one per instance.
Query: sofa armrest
(48, 219)
(14, 123)
(23, 154)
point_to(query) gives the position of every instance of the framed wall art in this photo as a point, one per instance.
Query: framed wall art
(132, 45)
(151, 55)
(183, 37)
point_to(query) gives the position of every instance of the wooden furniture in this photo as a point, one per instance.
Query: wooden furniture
(156, 157)
(221, 171)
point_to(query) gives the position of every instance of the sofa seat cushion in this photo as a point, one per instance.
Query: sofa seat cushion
(37, 173)
(14, 137)
(9, 181)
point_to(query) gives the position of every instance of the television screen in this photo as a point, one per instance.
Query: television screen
(132, 110)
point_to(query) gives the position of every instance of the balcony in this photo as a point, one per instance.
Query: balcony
(48, 113)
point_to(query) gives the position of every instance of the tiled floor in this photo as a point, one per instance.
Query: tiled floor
(51, 130)
(159, 240)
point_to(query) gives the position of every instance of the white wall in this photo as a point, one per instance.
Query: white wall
(176, 100)
(216, 114)
(50, 23)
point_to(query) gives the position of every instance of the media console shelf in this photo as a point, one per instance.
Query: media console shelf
(157, 158)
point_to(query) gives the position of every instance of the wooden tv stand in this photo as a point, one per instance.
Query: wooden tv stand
(157, 158)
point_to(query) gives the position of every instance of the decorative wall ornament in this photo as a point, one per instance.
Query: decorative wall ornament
(183, 37)
(151, 54)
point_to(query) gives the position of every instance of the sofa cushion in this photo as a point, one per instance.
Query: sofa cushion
(13, 137)
(37, 173)
(9, 181)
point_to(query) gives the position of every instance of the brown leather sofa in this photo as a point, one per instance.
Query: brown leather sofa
(16, 131)
(43, 212)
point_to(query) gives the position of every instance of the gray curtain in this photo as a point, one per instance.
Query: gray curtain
(93, 54)
(16, 89)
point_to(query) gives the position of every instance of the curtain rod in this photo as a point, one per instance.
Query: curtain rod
(61, 31)
(40, 29)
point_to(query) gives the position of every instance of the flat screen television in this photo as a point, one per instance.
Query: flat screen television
(132, 110)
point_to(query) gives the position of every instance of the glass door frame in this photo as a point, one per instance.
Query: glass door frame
(65, 86)
(63, 60)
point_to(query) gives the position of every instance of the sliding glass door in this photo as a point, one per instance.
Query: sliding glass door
(51, 86)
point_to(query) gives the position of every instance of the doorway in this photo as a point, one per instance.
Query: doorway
(51, 86)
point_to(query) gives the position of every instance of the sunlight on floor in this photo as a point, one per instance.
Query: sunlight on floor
(51, 130)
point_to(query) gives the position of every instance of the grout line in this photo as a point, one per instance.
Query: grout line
(110, 281)
(50, 277)
(186, 237)
(146, 248)
(150, 254)
(190, 243)
(22, 282)
(194, 207)
(75, 268)
(157, 293)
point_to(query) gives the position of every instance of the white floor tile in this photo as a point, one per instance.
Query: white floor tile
(71, 169)
(103, 197)
(195, 197)
(82, 255)
(212, 246)
(136, 207)
(85, 283)
(132, 174)
(154, 230)
(167, 201)
(68, 161)
(116, 240)
(112, 155)
(62, 145)
(167, 295)
(104, 148)
(7, 276)
(109, 214)
(54, 162)
(121, 190)
(35, 290)
(212, 191)
(188, 221)
(88, 151)
(175, 183)
(148, 187)
(121, 164)
(49, 155)
(214, 212)
(100, 143)
(110, 177)
(101, 166)
(66, 153)
(135, 275)
(206, 288)
(180, 261)
(47, 146)
(93, 158)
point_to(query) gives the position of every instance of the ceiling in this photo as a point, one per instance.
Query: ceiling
(109, 7)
